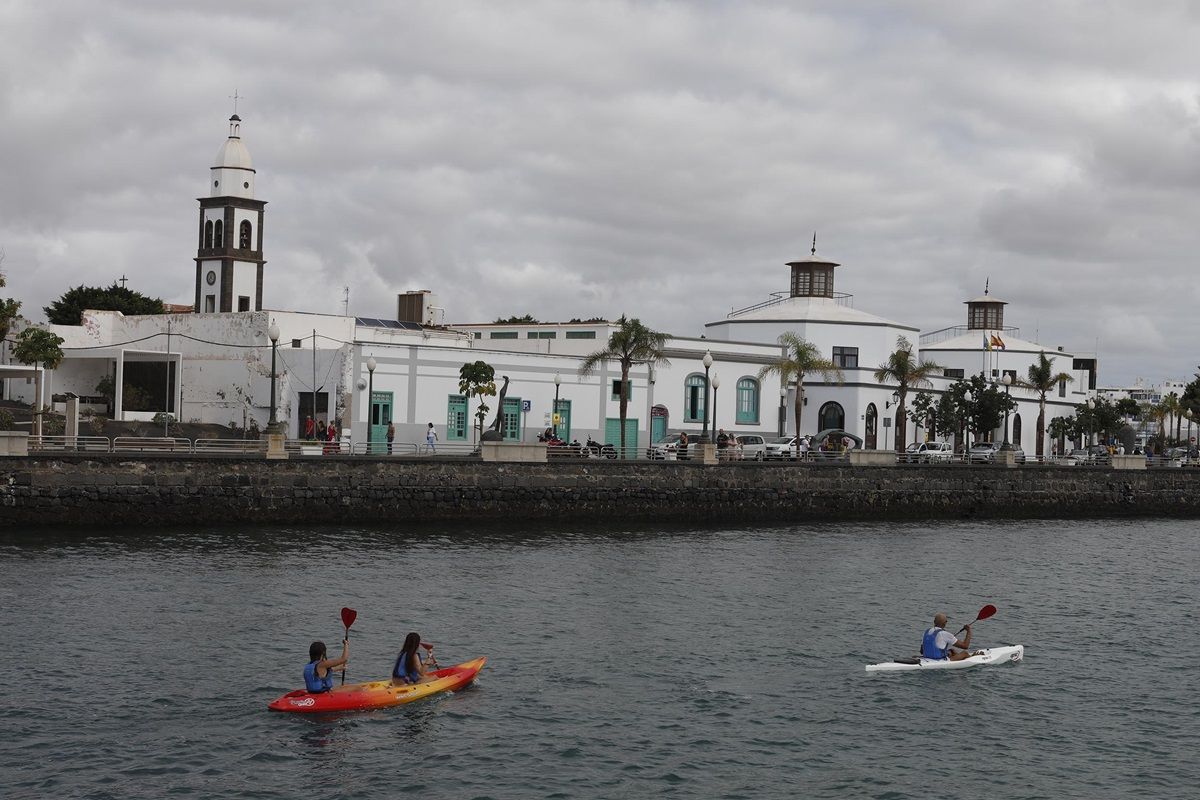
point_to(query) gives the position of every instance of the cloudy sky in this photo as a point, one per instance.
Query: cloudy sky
(661, 159)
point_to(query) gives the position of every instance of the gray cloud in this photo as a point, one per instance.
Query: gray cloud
(662, 159)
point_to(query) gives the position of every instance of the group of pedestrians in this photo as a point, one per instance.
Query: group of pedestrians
(318, 431)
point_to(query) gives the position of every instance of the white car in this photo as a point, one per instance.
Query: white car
(929, 452)
(753, 446)
(781, 447)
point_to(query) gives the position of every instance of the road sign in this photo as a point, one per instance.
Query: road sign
(526, 405)
(558, 419)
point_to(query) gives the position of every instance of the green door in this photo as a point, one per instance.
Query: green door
(456, 418)
(511, 426)
(612, 435)
(381, 416)
(564, 420)
(658, 429)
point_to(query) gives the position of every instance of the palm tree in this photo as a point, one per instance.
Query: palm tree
(903, 368)
(1042, 379)
(1172, 405)
(631, 343)
(799, 358)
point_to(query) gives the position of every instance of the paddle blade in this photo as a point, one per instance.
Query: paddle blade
(987, 611)
(348, 617)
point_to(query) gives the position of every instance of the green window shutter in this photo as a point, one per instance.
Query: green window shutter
(456, 418)
(747, 401)
(511, 426)
(693, 398)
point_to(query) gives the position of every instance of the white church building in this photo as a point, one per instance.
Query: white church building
(215, 365)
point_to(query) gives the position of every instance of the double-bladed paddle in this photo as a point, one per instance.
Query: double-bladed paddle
(348, 617)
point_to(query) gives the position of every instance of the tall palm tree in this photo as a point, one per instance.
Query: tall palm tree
(631, 343)
(1042, 379)
(1174, 407)
(903, 368)
(799, 358)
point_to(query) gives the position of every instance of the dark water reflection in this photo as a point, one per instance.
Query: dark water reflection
(624, 661)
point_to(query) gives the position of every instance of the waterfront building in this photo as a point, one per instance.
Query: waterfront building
(213, 365)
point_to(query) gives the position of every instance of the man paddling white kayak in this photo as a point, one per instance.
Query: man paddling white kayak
(938, 644)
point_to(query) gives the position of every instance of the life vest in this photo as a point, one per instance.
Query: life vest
(315, 683)
(403, 670)
(929, 648)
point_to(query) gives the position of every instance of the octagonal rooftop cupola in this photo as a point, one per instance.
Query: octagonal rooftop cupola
(985, 313)
(812, 276)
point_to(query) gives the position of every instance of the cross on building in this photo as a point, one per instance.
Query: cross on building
(123, 281)
(235, 97)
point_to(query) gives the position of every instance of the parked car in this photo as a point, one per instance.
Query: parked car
(753, 446)
(664, 449)
(1076, 457)
(985, 453)
(928, 452)
(780, 447)
(1099, 454)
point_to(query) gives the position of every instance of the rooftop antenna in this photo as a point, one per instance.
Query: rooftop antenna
(814, 247)
(235, 97)
(346, 301)
(986, 282)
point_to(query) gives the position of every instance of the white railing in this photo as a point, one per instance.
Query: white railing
(230, 446)
(151, 444)
(384, 448)
(73, 444)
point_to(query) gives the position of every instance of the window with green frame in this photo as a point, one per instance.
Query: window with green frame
(616, 389)
(502, 335)
(456, 418)
(581, 334)
(693, 398)
(747, 401)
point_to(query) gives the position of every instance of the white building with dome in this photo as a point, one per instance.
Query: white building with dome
(213, 365)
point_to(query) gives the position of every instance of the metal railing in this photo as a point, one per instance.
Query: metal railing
(72, 444)
(152, 444)
(230, 446)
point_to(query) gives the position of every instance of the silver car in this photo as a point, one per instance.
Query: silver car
(781, 447)
(753, 446)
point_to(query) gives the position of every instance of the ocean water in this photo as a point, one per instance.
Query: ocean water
(623, 662)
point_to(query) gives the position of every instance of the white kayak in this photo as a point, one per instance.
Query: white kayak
(982, 658)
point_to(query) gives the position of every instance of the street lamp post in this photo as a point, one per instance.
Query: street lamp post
(370, 397)
(782, 408)
(967, 398)
(708, 362)
(273, 333)
(554, 411)
(1091, 405)
(716, 385)
(1007, 381)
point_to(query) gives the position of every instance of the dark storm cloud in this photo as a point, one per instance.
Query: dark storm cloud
(662, 159)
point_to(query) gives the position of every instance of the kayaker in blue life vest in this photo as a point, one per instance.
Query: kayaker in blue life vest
(318, 672)
(937, 643)
(409, 667)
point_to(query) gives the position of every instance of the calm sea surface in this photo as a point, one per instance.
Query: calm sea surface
(622, 662)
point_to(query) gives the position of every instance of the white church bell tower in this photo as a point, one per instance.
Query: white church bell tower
(229, 257)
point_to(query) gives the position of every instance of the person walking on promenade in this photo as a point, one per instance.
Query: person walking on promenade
(310, 428)
(431, 438)
(321, 430)
(391, 436)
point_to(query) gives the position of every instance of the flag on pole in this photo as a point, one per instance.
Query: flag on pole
(997, 342)
(986, 344)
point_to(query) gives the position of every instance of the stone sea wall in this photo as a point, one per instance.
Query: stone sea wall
(115, 490)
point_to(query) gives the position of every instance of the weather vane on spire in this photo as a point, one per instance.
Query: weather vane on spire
(814, 247)
(235, 97)
(986, 282)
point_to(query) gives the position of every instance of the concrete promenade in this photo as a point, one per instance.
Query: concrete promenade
(82, 490)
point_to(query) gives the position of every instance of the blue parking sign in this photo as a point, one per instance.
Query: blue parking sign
(526, 405)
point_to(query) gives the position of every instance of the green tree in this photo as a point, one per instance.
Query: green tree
(984, 412)
(477, 380)
(922, 409)
(1128, 407)
(950, 417)
(1175, 412)
(43, 350)
(631, 343)
(1042, 379)
(8, 308)
(800, 358)
(903, 368)
(1102, 419)
(1063, 428)
(526, 319)
(68, 309)
(106, 388)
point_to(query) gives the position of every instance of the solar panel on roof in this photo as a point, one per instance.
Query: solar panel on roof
(372, 322)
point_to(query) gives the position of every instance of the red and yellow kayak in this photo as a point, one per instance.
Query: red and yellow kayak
(378, 694)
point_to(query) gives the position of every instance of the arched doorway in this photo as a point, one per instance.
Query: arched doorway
(1016, 430)
(831, 415)
(871, 440)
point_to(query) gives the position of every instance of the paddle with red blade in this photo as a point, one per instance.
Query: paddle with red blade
(429, 649)
(348, 617)
(984, 613)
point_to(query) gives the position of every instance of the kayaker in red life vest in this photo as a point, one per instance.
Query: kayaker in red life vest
(938, 642)
(318, 672)
(409, 667)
